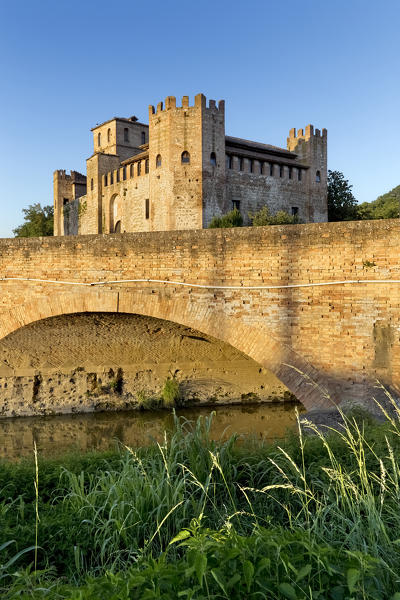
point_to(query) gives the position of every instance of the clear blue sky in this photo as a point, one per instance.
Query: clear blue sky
(66, 66)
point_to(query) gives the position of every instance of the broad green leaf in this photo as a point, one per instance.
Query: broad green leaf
(304, 571)
(337, 593)
(248, 572)
(182, 535)
(288, 591)
(395, 596)
(353, 575)
(200, 565)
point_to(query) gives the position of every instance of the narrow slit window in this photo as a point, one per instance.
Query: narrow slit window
(318, 177)
(143, 137)
(124, 173)
(131, 171)
(213, 159)
(99, 139)
(139, 168)
(290, 172)
(109, 135)
(158, 161)
(240, 164)
(271, 170)
(147, 208)
(91, 184)
(146, 166)
(111, 178)
(126, 134)
(228, 161)
(300, 174)
(281, 171)
(105, 180)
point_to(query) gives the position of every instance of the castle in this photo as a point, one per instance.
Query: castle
(181, 170)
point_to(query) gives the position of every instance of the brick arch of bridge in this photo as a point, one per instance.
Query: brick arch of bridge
(255, 341)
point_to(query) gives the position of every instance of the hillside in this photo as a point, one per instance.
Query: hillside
(386, 206)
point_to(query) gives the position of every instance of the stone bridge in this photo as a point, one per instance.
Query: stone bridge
(317, 305)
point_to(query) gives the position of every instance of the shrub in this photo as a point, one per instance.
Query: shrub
(264, 217)
(231, 219)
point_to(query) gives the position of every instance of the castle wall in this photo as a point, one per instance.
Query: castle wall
(253, 191)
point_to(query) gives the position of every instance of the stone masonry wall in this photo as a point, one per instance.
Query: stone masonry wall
(344, 336)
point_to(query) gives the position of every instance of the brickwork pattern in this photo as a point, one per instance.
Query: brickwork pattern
(344, 337)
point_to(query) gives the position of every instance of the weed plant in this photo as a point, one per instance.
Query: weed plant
(313, 517)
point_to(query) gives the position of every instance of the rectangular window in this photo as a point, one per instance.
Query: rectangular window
(299, 174)
(251, 166)
(105, 181)
(281, 171)
(240, 164)
(290, 172)
(117, 175)
(236, 204)
(147, 208)
(295, 211)
(124, 173)
(139, 167)
(146, 166)
(111, 178)
(65, 201)
(271, 170)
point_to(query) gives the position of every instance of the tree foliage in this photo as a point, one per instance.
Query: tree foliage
(342, 205)
(386, 206)
(264, 217)
(38, 221)
(231, 219)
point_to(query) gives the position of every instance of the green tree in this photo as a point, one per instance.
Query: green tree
(342, 205)
(386, 206)
(231, 219)
(264, 217)
(38, 221)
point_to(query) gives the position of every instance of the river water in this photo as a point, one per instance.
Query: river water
(57, 435)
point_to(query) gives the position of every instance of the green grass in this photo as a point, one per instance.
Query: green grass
(312, 517)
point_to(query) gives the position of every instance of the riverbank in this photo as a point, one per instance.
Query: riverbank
(308, 517)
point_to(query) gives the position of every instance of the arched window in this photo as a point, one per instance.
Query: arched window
(91, 184)
(126, 134)
(143, 137)
(318, 177)
(139, 167)
(185, 157)
(158, 161)
(117, 228)
(99, 139)
(213, 159)
(109, 135)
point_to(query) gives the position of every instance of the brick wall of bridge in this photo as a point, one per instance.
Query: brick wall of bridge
(349, 334)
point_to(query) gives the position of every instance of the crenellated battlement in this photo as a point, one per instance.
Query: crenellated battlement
(72, 176)
(200, 101)
(309, 133)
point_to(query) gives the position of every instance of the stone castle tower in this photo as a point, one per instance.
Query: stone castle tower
(181, 170)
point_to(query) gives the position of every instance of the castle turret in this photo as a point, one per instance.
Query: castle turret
(187, 160)
(311, 149)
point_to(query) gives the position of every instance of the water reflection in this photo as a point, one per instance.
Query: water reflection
(100, 431)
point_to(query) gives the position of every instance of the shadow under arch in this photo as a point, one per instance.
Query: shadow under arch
(299, 376)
